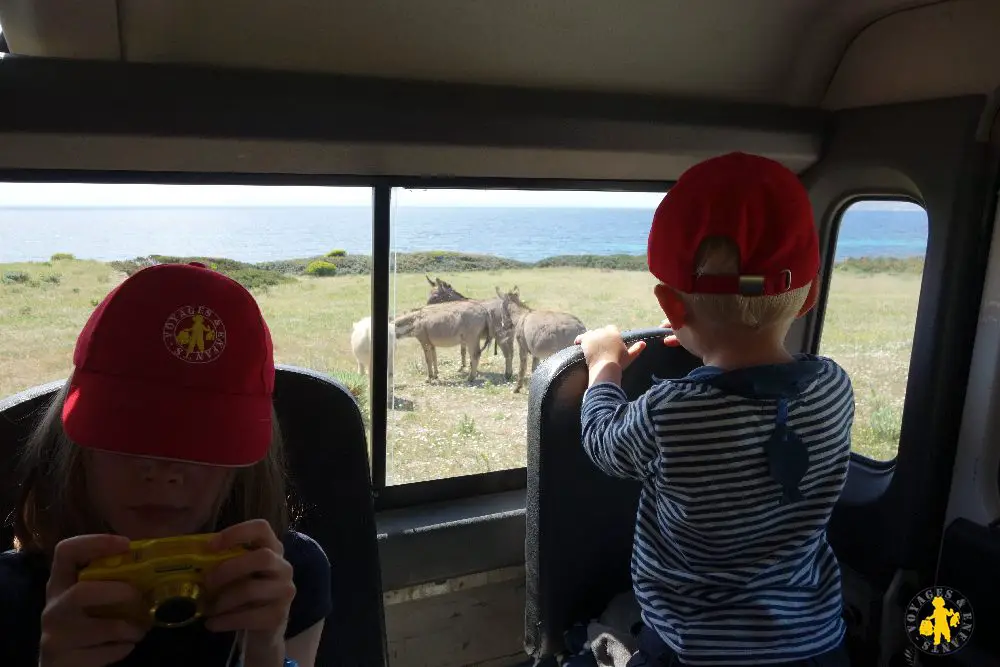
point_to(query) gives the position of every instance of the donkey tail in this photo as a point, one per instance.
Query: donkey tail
(491, 333)
(497, 328)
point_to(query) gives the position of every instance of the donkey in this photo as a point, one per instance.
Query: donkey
(446, 325)
(361, 345)
(539, 333)
(443, 292)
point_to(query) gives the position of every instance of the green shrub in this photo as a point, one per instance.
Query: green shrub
(132, 266)
(293, 267)
(452, 262)
(320, 268)
(252, 278)
(16, 278)
(249, 275)
(357, 384)
(59, 256)
(53, 278)
(870, 265)
(467, 426)
(336, 253)
(619, 262)
(878, 437)
(220, 264)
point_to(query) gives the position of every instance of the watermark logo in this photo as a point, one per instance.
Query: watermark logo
(939, 620)
(196, 335)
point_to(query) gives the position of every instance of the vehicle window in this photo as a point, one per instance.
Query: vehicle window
(581, 254)
(871, 313)
(304, 253)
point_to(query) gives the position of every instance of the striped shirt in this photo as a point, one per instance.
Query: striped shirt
(723, 570)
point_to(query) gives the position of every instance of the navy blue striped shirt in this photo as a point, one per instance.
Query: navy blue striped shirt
(723, 570)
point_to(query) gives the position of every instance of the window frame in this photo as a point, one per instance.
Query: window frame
(386, 497)
(446, 489)
(879, 471)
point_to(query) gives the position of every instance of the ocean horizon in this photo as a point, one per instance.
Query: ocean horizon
(271, 233)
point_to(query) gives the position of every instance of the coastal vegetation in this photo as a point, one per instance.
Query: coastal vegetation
(448, 426)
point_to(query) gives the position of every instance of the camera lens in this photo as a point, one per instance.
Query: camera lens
(176, 611)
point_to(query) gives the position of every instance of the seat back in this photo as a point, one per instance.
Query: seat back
(580, 522)
(327, 454)
(19, 414)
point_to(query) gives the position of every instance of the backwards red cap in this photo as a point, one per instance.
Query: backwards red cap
(754, 201)
(175, 363)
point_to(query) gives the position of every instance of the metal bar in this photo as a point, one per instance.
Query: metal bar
(379, 387)
(98, 176)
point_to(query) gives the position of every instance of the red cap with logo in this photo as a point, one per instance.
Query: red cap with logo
(759, 204)
(176, 363)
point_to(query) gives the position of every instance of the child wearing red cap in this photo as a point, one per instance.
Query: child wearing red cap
(742, 460)
(165, 428)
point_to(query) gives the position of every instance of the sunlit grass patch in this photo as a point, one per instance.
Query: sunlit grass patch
(451, 427)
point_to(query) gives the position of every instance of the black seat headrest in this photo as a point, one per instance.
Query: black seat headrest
(19, 414)
(327, 452)
(580, 522)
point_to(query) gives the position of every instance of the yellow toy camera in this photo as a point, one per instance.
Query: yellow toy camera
(170, 574)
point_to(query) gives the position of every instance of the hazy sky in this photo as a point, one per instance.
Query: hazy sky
(95, 195)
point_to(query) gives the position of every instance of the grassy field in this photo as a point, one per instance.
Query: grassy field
(448, 427)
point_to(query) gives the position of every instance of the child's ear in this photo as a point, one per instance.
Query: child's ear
(810, 298)
(671, 304)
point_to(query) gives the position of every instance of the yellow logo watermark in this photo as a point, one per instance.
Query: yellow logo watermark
(939, 620)
(195, 334)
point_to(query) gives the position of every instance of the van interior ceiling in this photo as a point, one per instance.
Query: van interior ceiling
(398, 108)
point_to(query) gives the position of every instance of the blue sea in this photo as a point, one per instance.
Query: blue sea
(266, 233)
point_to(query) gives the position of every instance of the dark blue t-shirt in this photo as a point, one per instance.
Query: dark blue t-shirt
(22, 590)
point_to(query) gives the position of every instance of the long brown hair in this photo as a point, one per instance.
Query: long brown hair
(53, 503)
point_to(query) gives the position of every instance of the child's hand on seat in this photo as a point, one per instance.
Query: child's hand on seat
(606, 354)
(669, 340)
(71, 636)
(253, 592)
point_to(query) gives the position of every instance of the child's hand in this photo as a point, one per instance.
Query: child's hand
(252, 592)
(605, 346)
(70, 636)
(669, 340)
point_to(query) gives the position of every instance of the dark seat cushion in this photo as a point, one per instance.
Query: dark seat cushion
(580, 522)
(327, 454)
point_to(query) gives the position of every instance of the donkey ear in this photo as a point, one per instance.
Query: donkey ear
(499, 293)
(429, 280)
(515, 290)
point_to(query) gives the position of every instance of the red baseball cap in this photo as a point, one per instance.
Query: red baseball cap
(176, 363)
(759, 204)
